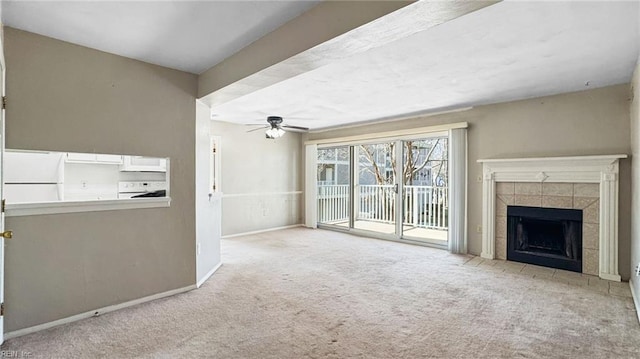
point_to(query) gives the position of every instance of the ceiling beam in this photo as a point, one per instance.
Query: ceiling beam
(322, 23)
(329, 32)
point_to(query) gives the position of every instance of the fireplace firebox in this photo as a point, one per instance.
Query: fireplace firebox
(550, 237)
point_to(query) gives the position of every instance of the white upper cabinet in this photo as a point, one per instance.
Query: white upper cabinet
(143, 164)
(93, 158)
(115, 159)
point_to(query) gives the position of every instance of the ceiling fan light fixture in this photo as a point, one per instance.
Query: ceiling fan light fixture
(274, 132)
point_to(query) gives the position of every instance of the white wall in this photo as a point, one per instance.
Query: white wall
(208, 229)
(635, 183)
(261, 179)
(84, 181)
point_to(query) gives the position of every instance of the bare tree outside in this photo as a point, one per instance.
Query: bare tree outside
(420, 156)
(424, 176)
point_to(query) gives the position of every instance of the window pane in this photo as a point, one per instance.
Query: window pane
(333, 186)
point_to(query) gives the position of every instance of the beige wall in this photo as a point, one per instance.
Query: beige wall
(70, 98)
(258, 176)
(635, 177)
(583, 123)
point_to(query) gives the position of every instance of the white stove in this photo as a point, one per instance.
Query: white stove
(129, 189)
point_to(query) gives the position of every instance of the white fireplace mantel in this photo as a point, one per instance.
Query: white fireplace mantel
(579, 169)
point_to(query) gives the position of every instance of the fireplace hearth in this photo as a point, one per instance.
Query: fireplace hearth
(550, 237)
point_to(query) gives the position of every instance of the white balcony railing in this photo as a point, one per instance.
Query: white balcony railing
(423, 206)
(426, 206)
(333, 203)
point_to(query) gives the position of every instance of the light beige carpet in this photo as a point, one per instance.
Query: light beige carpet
(311, 293)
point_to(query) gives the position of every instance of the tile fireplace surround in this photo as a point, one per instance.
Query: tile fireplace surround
(589, 183)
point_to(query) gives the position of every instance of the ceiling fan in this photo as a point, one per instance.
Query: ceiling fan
(276, 129)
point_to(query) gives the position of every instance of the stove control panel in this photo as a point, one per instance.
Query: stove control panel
(141, 186)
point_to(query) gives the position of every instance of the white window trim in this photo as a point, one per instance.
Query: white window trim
(42, 208)
(406, 134)
(311, 182)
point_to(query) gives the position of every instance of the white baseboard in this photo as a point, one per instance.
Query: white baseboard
(636, 300)
(262, 231)
(96, 312)
(208, 275)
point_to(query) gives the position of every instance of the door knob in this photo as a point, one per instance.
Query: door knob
(7, 234)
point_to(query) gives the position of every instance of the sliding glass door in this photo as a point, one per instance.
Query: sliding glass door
(425, 197)
(394, 189)
(375, 188)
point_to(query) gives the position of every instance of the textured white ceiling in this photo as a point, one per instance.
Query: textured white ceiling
(394, 26)
(186, 35)
(508, 51)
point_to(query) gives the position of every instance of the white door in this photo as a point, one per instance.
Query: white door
(2, 231)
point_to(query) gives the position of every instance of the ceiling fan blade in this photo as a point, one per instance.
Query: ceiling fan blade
(257, 121)
(258, 128)
(295, 128)
(296, 118)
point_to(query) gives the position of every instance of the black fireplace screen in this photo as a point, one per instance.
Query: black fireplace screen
(550, 237)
